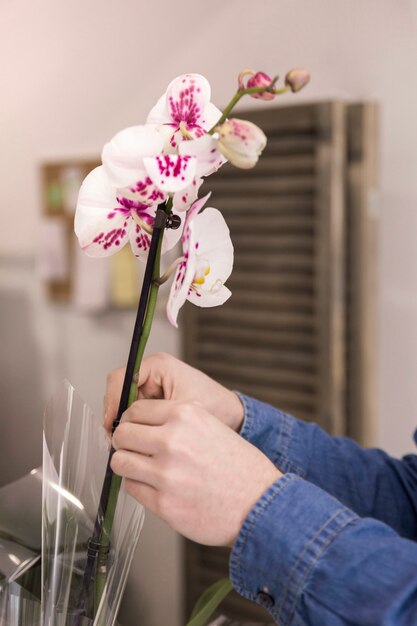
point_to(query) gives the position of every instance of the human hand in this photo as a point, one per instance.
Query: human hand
(187, 467)
(162, 376)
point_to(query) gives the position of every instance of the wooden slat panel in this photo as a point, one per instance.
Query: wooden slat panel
(267, 206)
(252, 186)
(269, 319)
(279, 224)
(277, 165)
(279, 262)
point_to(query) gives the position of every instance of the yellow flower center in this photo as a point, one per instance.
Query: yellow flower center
(203, 269)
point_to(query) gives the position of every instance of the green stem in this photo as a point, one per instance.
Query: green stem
(238, 95)
(102, 569)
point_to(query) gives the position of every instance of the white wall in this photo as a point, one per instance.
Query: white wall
(74, 73)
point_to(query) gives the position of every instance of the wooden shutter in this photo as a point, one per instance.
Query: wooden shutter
(361, 282)
(282, 335)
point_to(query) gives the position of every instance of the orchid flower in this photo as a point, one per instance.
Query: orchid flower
(105, 221)
(206, 264)
(184, 111)
(135, 165)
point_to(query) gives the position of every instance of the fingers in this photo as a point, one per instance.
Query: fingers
(151, 412)
(155, 376)
(135, 467)
(153, 382)
(136, 438)
(149, 380)
(145, 494)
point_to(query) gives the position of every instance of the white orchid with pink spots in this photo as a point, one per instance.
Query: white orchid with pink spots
(106, 220)
(164, 163)
(206, 264)
(185, 110)
(136, 164)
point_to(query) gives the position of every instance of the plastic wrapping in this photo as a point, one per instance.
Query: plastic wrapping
(44, 590)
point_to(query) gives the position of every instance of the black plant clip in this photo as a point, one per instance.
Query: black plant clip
(173, 221)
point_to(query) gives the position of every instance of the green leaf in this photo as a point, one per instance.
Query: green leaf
(209, 601)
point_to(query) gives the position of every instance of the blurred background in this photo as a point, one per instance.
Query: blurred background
(73, 74)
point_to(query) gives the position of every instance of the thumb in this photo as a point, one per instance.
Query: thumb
(151, 377)
(112, 394)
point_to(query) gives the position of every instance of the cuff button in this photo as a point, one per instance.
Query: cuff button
(265, 598)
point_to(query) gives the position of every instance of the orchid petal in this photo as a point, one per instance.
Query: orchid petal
(187, 97)
(187, 102)
(159, 114)
(144, 191)
(184, 198)
(179, 290)
(210, 117)
(212, 242)
(205, 150)
(171, 172)
(192, 213)
(123, 156)
(101, 225)
(172, 137)
(210, 298)
(140, 242)
(140, 239)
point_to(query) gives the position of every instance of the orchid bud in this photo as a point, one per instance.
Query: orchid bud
(258, 79)
(297, 79)
(261, 80)
(241, 142)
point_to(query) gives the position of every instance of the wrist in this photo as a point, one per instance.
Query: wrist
(236, 413)
(269, 476)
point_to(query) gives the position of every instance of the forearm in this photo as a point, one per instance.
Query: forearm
(309, 560)
(368, 481)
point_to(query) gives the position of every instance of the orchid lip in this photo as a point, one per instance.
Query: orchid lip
(148, 229)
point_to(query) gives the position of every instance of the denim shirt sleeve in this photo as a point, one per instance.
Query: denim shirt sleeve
(368, 481)
(313, 562)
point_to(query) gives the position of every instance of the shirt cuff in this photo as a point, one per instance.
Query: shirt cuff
(281, 437)
(281, 541)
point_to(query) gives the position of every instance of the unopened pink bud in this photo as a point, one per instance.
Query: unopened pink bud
(257, 79)
(297, 79)
(261, 80)
(241, 142)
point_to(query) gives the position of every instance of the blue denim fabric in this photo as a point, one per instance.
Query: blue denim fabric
(330, 543)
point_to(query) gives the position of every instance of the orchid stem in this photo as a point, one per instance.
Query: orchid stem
(101, 575)
(238, 95)
(155, 262)
(97, 555)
